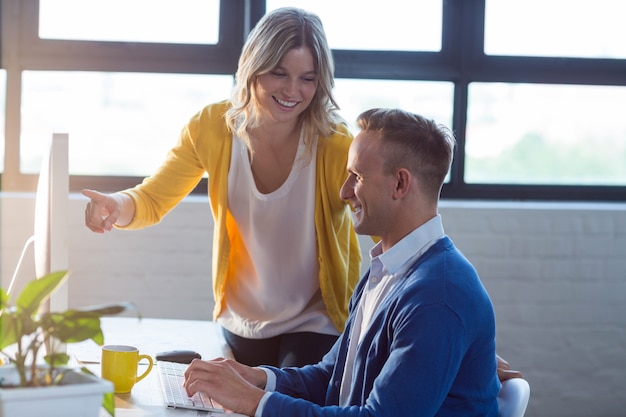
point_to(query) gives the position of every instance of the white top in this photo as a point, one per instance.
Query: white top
(276, 286)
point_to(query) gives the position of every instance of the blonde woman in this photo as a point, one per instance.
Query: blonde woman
(285, 255)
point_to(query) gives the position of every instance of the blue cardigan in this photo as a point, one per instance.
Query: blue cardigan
(429, 351)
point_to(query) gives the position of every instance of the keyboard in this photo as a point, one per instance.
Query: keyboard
(172, 376)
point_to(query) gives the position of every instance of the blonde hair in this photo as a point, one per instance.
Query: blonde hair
(277, 33)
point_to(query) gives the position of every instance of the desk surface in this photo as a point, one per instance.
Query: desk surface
(151, 336)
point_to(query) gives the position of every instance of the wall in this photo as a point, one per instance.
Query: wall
(556, 274)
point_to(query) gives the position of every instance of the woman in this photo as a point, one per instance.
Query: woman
(285, 255)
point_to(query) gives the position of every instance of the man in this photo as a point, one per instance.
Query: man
(420, 337)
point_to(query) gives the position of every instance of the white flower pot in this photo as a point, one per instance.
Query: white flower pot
(79, 396)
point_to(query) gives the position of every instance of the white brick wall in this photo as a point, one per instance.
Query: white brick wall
(556, 274)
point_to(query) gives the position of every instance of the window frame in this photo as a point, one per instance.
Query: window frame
(460, 61)
(463, 61)
(28, 52)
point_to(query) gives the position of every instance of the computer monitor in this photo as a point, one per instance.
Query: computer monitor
(51, 217)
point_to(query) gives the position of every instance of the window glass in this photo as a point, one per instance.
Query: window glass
(546, 134)
(428, 98)
(397, 25)
(187, 21)
(558, 28)
(3, 94)
(118, 123)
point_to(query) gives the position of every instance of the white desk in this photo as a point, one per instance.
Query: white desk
(151, 336)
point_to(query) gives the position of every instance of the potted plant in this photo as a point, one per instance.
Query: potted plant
(34, 370)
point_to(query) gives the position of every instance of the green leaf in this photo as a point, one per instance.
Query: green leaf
(26, 323)
(57, 359)
(4, 299)
(15, 324)
(109, 309)
(76, 327)
(81, 324)
(98, 338)
(38, 290)
(7, 330)
(108, 403)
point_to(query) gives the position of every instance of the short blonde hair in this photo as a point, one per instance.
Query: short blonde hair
(278, 32)
(414, 142)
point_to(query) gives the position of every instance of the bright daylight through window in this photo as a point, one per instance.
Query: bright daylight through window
(534, 100)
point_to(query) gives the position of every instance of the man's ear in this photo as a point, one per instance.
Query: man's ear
(403, 183)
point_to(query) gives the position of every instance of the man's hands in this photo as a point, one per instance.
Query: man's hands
(235, 386)
(239, 387)
(504, 370)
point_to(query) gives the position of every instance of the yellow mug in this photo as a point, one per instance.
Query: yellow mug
(119, 365)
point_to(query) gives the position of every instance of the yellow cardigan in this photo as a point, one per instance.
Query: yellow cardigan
(205, 146)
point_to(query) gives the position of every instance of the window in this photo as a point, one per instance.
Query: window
(2, 113)
(120, 124)
(190, 22)
(532, 93)
(545, 134)
(430, 98)
(555, 28)
(122, 95)
(365, 25)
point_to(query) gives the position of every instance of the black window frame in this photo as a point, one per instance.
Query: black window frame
(461, 61)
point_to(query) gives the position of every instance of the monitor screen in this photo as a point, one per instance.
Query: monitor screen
(51, 221)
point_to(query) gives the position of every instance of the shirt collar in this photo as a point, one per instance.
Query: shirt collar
(410, 247)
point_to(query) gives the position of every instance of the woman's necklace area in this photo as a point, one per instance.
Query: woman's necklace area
(271, 163)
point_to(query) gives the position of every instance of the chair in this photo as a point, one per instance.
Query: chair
(513, 398)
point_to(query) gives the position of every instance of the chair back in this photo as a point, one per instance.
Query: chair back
(513, 398)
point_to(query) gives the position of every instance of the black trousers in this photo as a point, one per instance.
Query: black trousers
(290, 349)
